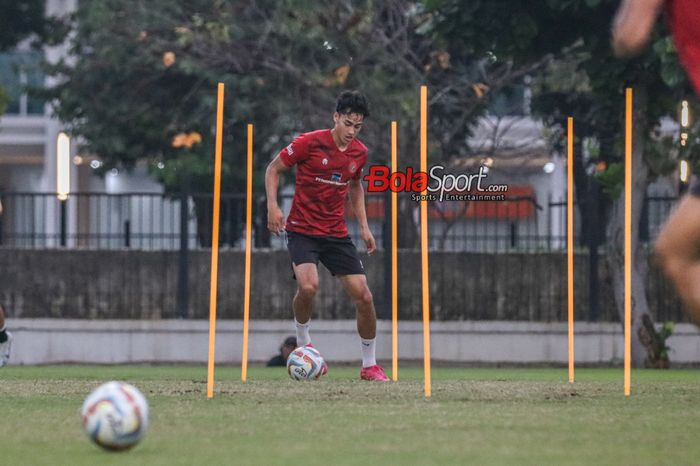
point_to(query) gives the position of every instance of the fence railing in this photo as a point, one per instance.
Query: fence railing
(152, 221)
(531, 236)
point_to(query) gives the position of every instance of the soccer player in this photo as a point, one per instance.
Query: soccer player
(5, 340)
(678, 244)
(5, 336)
(329, 168)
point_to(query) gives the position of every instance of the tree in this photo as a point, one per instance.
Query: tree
(141, 84)
(20, 20)
(585, 81)
(658, 83)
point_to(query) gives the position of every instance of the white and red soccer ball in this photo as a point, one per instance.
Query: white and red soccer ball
(115, 416)
(305, 363)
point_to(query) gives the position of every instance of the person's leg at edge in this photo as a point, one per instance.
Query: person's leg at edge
(356, 287)
(303, 303)
(5, 340)
(678, 252)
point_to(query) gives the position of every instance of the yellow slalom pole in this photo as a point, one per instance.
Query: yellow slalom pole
(570, 238)
(248, 236)
(394, 266)
(628, 240)
(215, 238)
(424, 237)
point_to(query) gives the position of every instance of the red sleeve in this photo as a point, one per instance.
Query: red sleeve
(297, 151)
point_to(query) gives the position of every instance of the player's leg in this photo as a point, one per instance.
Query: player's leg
(304, 252)
(678, 252)
(307, 286)
(341, 258)
(358, 290)
(5, 340)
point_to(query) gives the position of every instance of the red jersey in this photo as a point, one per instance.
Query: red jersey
(323, 173)
(684, 20)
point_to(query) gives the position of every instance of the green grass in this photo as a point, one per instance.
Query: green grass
(475, 416)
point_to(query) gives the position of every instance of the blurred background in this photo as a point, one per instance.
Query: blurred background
(107, 112)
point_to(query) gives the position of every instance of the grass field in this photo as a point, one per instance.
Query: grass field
(475, 416)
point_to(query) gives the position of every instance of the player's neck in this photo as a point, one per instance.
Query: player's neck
(342, 147)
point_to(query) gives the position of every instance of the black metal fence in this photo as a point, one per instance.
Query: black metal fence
(152, 221)
(525, 277)
(144, 221)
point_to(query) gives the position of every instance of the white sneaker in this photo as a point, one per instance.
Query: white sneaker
(5, 350)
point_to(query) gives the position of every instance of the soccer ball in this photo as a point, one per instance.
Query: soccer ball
(115, 416)
(304, 363)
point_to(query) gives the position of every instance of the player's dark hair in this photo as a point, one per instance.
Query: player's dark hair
(352, 102)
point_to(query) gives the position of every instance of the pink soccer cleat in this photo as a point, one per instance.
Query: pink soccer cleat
(324, 367)
(374, 373)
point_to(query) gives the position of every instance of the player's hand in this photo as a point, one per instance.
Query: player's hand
(368, 238)
(275, 220)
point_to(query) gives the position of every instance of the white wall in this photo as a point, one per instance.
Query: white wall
(45, 341)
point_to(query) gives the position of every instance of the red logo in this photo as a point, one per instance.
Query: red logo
(436, 184)
(378, 180)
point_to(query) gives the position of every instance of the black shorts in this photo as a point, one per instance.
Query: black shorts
(339, 255)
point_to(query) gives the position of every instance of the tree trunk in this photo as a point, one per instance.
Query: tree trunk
(408, 215)
(616, 230)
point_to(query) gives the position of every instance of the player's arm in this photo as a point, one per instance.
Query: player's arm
(275, 217)
(357, 200)
(633, 24)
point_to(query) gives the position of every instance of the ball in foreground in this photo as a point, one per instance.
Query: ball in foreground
(304, 363)
(115, 416)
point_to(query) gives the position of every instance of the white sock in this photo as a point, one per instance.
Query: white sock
(368, 358)
(303, 337)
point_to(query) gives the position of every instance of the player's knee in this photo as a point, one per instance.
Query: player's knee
(308, 289)
(364, 298)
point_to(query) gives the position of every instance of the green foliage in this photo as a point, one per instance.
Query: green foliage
(20, 19)
(4, 100)
(672, 72)
(664, 333)
(283, 63)
(279, 61)
(123, 99)
(612, 179)
(586, 81)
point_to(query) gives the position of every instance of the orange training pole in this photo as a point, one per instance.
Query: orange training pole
(248, 236)
(570, 238)
(215, 238)
(628, 240)
(394, 267)
(424, 238)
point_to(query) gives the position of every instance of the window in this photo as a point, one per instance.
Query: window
(20, 70)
